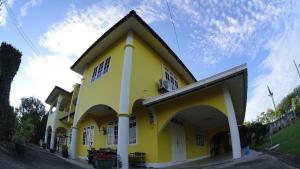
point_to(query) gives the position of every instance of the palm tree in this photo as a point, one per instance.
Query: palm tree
(10, 59)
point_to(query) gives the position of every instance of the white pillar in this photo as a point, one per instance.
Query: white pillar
(123, 123)
(73, 147)
(234, 131)
(46, 136)
(123, 139)
(59, 99)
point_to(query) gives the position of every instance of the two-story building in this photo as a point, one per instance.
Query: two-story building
(137, 96)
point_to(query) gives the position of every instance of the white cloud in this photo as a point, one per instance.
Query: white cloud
(280, 72)
(27, 5)
(3, 11)
(227, 28)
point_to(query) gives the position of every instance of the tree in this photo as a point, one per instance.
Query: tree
(10, 59)
(267, 117)
(32, 108)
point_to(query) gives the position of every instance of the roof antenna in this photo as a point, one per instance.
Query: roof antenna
(172, 20)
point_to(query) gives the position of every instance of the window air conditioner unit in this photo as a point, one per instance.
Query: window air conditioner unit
(164, 86)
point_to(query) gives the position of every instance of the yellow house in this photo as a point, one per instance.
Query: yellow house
(137, 96)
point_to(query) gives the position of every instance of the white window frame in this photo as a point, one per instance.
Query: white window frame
(112, 135)
(112, 132)
(98, 71)
(168, 76)
(88, 135)
(198, 141)
(131, 120)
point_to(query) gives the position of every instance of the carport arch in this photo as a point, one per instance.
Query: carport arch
(167, 121)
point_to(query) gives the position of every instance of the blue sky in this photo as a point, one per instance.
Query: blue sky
(213, 36)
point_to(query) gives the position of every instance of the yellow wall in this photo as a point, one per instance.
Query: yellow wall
(164, 145)
(192, 149)
(105, 90)
(147, 69)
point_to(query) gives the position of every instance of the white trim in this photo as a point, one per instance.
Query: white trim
(169, 164)
(196, 85)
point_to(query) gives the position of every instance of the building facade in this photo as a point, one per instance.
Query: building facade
(137, 96)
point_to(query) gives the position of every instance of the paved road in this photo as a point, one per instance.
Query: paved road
(262, 161)
(34, 158)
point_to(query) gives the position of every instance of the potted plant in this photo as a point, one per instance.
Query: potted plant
(104, 158)
(137, 159)
(44, 145)
(64, 151)
(91, 155)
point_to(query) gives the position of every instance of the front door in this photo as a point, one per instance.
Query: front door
(178, 141)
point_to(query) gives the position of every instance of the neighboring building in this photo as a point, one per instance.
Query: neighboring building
(137, 96)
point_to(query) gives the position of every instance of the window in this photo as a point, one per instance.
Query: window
(132, 130)
(112, 132)
(88, 136)
(106, 66)
(101, 69)
(172, 80)
(200, 140)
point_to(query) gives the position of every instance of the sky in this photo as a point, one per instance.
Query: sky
(212, 35)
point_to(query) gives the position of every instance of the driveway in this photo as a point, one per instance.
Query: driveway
(259, 161)
(34, 158)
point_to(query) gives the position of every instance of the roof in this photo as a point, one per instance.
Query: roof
(136, 24)
(239, 93)
(54, 94)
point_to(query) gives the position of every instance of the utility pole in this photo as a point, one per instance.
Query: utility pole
(297, 67)
(271, 95)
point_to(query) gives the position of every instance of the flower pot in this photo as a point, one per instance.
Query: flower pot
(65, 153)
(20, 148)
(104, 164)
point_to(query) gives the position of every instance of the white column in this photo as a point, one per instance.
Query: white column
(59, 99)
(234, 131)
(46, 136)
(123, 139)
(123, 123)
(52, 141)
(73, 147)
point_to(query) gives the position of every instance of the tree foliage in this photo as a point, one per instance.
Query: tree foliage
(24, 131)
(32, 108)
(10, 59)
(258, 132)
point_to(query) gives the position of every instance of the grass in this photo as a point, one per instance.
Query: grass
(288, 138)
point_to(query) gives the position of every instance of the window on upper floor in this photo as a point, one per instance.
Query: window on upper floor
(101, 69)
(170, 78)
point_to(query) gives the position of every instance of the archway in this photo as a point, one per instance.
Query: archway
(191, 131)
(61, 138)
